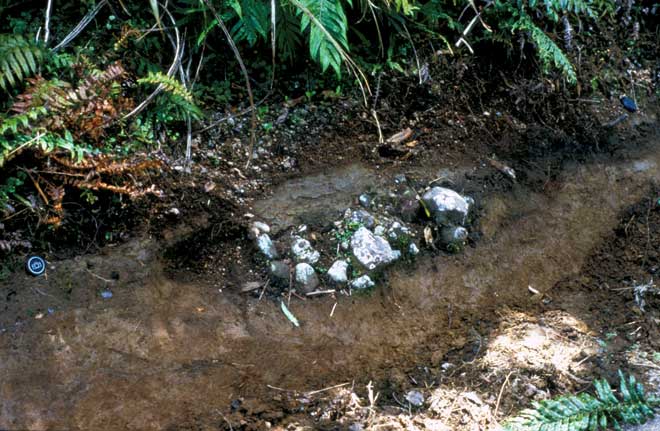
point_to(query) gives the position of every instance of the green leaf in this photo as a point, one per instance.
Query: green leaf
(289, 315)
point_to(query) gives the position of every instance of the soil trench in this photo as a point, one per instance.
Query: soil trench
(160, 351)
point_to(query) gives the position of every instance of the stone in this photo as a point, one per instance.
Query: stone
(280, 271)
(413, 249)
(361, 217)
(365, 200)
(364, 282)
(400, 179)
(338, 272)
(356, 427)
(447, 208)
(267, 247)
(408, 207)
(380, 230)
(303, 252)
(257, 228)
(370, 250)
(415, 398)
(306, 278)
(454, 235)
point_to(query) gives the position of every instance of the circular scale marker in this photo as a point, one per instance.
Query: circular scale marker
(35, 266)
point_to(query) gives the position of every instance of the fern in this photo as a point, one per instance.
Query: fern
(327, 25)
(555, 8)
(253, 23)
(586, 412)
(18, 59)
(547, 50)
(288, 33)
(181, 100)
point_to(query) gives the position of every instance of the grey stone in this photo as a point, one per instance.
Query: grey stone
(338, 272)
(380, 230)
(454, 235)
(413, 249)
(415, 398)
(303, 252)
(370, 250)
(306, 278)
(408, 206)
(257, 228)
(361, 216)
(365, 200)
(363, 282)
(356, 427)
(267, 247)
(263, 227)
(280, 271)
(446, 206)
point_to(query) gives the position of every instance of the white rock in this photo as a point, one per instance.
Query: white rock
(446, 206)
(372, 251)
(363, 282)
(413, 249)
(266, 246)
(303, 252)
(338, 272)
(306, 277)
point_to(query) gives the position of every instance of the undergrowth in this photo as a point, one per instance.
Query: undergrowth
(587, 412)
(85, 108)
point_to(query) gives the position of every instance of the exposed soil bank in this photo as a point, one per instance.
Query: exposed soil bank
(166, 353)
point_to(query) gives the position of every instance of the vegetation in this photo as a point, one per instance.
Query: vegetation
(586, 412)
(77, 97)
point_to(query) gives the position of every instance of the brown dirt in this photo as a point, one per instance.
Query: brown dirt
(179, 347)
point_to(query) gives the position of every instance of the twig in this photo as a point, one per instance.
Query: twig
(81, 25)
(321, 292)
(499, 397)
(99, 277)
(333, 309)
(280, 389)
(178, 54)
(49, 8)
(264, 289)
(244, 71)
(327, 389)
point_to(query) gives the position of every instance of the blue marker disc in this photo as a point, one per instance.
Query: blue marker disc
(35, 266)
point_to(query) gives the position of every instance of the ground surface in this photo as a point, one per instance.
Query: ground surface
(539, 304)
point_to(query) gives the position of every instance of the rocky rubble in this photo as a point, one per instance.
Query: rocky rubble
(382, 228)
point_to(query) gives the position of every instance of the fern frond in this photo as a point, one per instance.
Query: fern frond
(547, 50)
(18, 59)
(327, 25)
(555, 8)
(253, 23)
(586, 412)
(181, 98)
(288, 33)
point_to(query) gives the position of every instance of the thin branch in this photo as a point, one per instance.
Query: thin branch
(273, 35)
(81, 25)
(178, 54)
(49, 8)
(237, 54)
